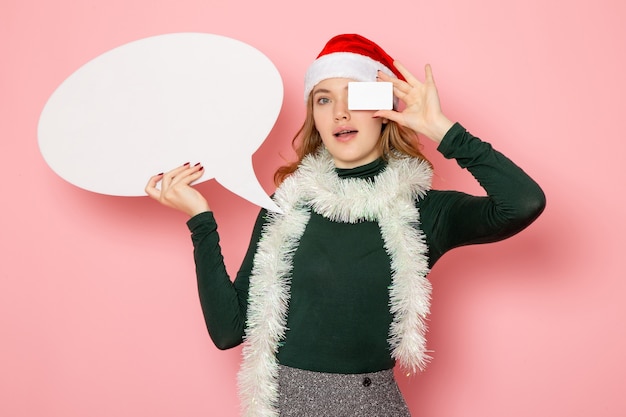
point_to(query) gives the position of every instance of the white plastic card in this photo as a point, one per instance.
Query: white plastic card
(370, 95)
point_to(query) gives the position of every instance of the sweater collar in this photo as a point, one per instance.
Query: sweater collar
(367, 171)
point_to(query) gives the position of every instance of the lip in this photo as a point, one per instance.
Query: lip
(346, 136)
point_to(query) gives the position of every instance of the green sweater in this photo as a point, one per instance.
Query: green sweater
(339, 317)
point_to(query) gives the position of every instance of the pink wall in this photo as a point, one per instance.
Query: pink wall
(98, 308)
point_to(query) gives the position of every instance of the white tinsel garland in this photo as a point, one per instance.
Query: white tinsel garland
(388, 200)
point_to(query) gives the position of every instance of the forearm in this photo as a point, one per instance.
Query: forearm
(514, 199)
(219, 299)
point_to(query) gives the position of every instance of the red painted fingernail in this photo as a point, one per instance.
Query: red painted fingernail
(186, 163)
(201, 169)
(158, 175)
(197, 164)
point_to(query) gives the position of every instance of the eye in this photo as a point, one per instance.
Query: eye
(323, 100)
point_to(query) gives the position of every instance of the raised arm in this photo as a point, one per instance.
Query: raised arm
(223, 302)
(451, 219)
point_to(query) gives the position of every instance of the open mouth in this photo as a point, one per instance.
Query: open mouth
(344, 132)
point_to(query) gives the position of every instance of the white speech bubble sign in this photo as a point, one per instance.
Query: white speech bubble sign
(153, 104)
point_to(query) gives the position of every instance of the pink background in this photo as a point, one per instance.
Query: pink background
(98, 306)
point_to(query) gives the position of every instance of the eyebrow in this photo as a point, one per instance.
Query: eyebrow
(324, 90)
(320, 90)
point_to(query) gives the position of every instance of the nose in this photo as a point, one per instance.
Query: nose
(341, 110)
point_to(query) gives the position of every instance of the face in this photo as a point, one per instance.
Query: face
(351, 137)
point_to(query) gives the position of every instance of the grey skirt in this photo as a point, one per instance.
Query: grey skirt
(317, 394)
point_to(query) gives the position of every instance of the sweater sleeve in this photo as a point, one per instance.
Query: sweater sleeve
(224, 303)
(451, 219)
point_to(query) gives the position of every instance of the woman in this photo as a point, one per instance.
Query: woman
(333, 291)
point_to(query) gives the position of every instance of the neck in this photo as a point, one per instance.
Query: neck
(368, 170)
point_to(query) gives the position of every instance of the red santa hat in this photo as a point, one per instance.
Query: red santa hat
(349, 56)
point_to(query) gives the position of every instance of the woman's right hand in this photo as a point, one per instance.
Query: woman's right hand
(422, 112)
(176, 190)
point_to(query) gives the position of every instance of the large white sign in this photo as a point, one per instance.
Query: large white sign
(156, 103)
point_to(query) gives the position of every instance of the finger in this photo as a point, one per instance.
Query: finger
(397, 83)
(428, 70)
(151, 188)
(409, 77)
(401, 91)
(191, 175)
(389, 114)
(183, 177)
(382, 76)
(172, 173)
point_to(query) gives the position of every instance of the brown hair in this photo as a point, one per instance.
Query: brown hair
(308, 140)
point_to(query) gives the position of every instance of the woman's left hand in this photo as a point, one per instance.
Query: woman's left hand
(422, 112)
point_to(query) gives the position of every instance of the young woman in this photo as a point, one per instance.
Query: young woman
(333, 291)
